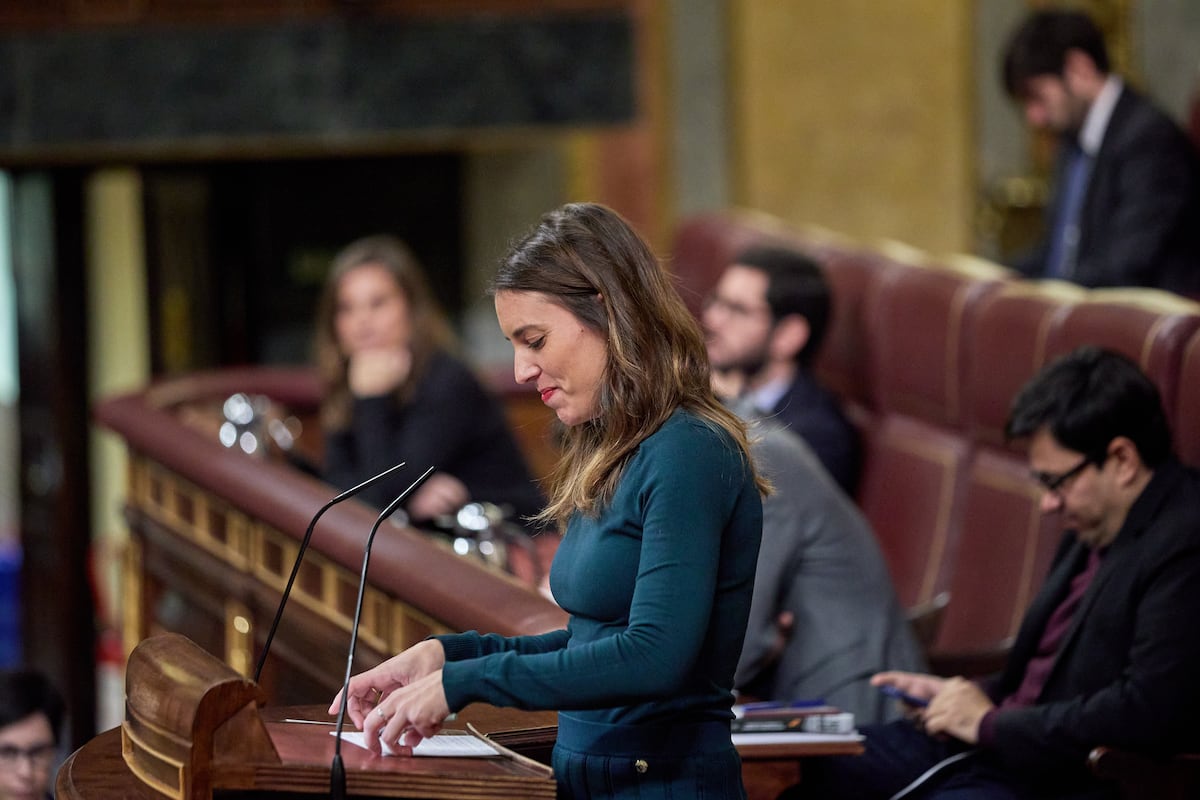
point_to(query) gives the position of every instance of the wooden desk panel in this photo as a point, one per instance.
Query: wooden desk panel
(97, 771)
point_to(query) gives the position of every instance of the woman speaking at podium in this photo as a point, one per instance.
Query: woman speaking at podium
(661, 505)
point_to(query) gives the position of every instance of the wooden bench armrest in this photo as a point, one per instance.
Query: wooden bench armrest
(926, 619)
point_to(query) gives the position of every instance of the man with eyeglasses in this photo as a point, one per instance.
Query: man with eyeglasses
(31, 716)
(1106, 653)
(764, 323)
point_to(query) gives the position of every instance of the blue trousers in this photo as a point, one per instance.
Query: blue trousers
(646, 762)
(898, 753)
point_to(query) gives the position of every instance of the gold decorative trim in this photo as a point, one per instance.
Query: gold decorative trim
(135, 756)
(257, 549)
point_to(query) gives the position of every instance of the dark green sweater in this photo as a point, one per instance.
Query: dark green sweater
(658, 588)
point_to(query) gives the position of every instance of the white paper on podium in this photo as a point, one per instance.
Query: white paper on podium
(443, 744)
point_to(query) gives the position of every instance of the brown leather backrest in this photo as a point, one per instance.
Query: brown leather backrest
(915, 450)
(1005, 544)
(1007, 343)
(916, 314)
(1004, 548)
(1186, 421)
(910, 492)
(1149, 326)
(841, 364)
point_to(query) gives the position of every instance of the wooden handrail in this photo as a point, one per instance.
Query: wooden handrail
(405, 563)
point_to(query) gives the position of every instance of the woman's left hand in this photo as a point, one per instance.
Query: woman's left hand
(407, 715)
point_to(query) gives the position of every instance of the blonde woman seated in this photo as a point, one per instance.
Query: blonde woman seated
(394, 392)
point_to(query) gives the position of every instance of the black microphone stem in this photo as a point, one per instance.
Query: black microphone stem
(262, 658)
(337, 771)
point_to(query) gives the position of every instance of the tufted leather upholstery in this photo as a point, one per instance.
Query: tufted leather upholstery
(927, 354)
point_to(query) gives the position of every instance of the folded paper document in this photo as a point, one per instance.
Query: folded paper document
(459, 745)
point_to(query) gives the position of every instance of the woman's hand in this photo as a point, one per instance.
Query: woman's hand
(378, 371)
(407, 715)
(369, 689)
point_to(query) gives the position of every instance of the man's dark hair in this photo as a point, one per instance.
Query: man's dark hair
(795, 285)
(1089, 397)
(26, 692)
(1039, 47)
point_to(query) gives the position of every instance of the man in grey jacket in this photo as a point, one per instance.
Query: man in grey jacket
(820, 573)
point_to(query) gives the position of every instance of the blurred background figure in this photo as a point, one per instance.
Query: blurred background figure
(31, 718)
(764, 323)
(394, 392)
(1126, 208)
(824, 611)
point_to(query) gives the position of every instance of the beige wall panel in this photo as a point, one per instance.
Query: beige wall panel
(856, 114)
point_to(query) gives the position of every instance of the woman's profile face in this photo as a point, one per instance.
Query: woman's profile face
(371, 312)
(555, 351)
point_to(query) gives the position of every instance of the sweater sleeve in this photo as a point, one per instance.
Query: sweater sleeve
(685, 493)
(472, 644)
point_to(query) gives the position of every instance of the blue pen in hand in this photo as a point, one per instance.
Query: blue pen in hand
(892, 691)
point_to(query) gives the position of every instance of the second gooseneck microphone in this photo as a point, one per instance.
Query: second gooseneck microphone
(262, 659)
(337, 770)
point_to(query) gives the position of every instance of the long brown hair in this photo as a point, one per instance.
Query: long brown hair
(430, 329)
(588, 259)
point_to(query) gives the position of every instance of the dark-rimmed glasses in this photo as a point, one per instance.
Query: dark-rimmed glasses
(735, 308)
(40, 756)
(1053, 482)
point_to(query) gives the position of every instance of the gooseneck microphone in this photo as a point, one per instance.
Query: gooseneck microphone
(287, 590)
(337, 771)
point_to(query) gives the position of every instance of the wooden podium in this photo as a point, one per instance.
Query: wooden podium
(194, 730)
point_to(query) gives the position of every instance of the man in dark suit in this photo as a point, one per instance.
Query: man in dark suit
(1107, 653)
(1126, 208)
(764, 323)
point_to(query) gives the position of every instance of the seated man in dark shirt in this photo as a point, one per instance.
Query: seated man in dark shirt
(1106, 654)
(764, 323)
